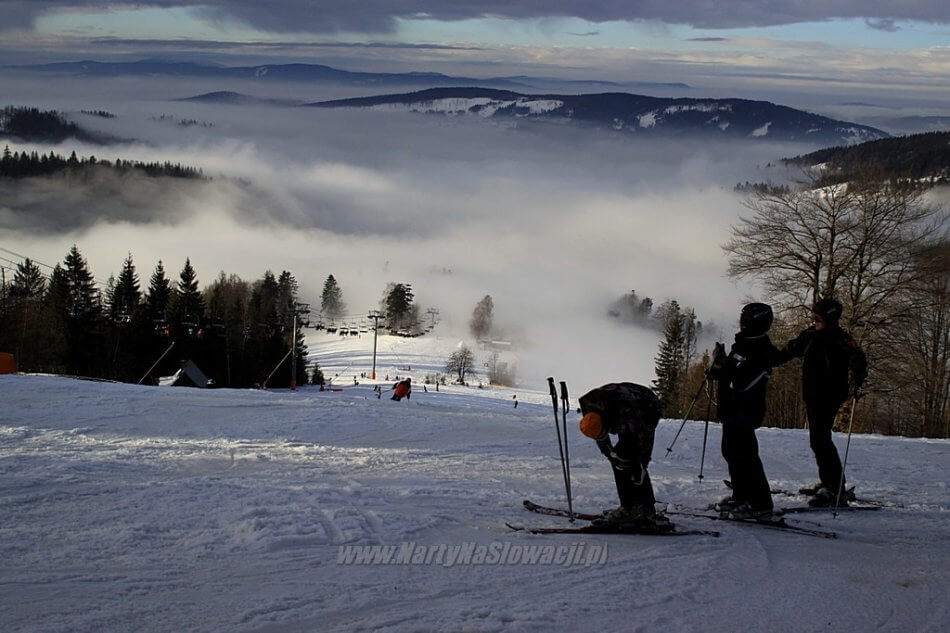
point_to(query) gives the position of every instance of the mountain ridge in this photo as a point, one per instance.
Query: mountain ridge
(636, 114)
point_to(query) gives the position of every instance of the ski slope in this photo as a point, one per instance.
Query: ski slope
(129, 508)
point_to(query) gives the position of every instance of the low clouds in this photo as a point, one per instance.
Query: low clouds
(379, 16)
(887, 25)
(553, 222)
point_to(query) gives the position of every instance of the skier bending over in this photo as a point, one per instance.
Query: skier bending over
(402, 389)
(743, 376)
(631, 412)
(829, 355)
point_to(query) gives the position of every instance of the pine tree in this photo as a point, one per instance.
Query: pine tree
(127, 296)
(670, 361)
(158, 295)
(83, 298)
(83, 317)
(189, 309)
(286, 308)
(21, 320)
(331, 301)
(286, 298)
(398, 304)
(28, 281)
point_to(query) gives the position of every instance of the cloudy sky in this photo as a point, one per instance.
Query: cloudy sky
(553, 222)
(791, 46)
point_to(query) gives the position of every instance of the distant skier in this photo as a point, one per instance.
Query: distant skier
(402, 389)
(742, 378)
(631, 412)
(829, 355)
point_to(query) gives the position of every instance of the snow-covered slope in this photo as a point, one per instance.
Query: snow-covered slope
(162, 509)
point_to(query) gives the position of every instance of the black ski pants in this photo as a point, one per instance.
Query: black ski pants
(740, 449)
(633, 484)
(821, 418)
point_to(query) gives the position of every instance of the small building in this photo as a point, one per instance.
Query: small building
(190, 375)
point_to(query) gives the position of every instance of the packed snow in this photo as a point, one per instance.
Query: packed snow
(134, 508)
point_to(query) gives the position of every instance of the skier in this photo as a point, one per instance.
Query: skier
(743, 377)
(631, 412)
(829, 354)
(402, 389)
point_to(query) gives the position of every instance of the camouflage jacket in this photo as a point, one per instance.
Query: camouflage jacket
(628, 410)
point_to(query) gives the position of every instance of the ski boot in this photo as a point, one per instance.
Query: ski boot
(826, 498)
(726, 504)
(746, 512)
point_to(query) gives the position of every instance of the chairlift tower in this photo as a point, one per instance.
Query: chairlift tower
(376, 315)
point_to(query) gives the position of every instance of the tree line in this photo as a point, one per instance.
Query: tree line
(31, 164)
(919, 160)
(34, 124)
(236, 331)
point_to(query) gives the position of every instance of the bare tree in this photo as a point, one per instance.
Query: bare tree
(500, 372)
(461, 363)
(917, 377)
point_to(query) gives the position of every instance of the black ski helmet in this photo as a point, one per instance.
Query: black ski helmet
(828, 309)
(755, 318)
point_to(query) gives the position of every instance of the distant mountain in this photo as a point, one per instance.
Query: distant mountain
(588, 83)
(917, 157)
(267, 72)
(227, 97)
(634, 114)
(914, 124)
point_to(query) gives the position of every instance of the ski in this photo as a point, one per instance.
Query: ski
(561, 512)
(606, 529)
(849, 491)
(778, 524)
(557, 512)
(851, 507)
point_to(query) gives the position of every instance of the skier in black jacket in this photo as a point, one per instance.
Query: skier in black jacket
(743, 376)
(631, 412)
(829, 355)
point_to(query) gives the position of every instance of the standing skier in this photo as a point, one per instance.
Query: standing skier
(402, 389)
(743, 377)
(829, 355)
(631, 412)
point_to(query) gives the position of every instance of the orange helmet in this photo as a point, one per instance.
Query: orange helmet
(592, 426)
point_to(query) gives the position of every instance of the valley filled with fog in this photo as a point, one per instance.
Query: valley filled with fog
(553, 221)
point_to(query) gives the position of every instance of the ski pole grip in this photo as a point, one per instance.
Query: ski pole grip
(552, 387)
(563, 390)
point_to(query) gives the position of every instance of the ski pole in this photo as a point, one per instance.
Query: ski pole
(669, 449)
(557, 429)
(702, 459)
(565, 405)
(847, 447)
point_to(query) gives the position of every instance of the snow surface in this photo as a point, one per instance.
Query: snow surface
(129, 508)
(483, 106)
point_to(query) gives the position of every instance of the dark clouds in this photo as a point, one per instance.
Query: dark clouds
(378, 16)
